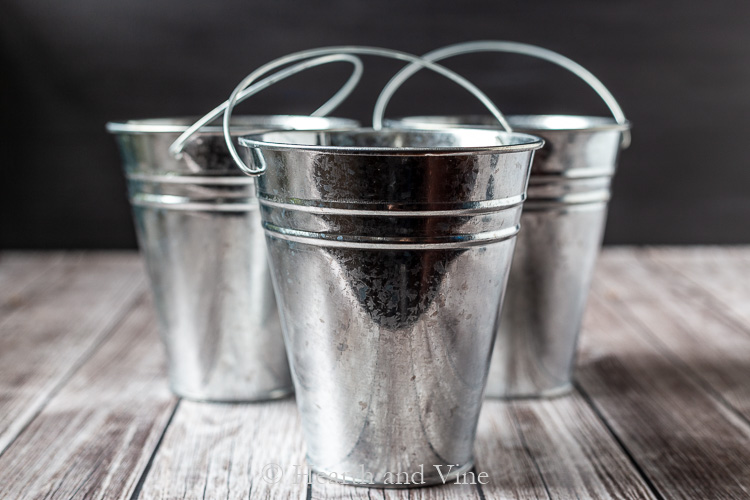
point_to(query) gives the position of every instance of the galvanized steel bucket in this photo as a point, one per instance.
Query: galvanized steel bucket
(389, 252)
(199, 232)
(562, 227)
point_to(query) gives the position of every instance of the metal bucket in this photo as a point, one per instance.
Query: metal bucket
(562, 227)
(199, 231)
(390, 252)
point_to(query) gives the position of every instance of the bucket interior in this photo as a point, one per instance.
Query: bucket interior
(393, 140)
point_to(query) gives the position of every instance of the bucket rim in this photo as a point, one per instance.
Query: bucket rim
(243, 124)
(529, 142)
(522, 122)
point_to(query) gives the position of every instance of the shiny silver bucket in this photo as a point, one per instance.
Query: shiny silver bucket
(390, 252)
(199, 232)
(561, 232)
(561, 229)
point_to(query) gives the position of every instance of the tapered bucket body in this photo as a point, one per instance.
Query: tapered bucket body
(390, 253)
(198, 227)
(561, 232)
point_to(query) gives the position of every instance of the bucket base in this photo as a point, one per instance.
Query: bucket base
(431, 478)
(554, 392)
(241, 398)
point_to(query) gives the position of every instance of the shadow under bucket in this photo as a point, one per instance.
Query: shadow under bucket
(199, 232)
(390, 252)
(561, 232)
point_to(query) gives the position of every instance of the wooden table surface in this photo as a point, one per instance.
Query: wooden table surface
(661, 407)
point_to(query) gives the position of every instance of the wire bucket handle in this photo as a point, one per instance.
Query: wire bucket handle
(509, 47)
(242, 87)
(178, 145)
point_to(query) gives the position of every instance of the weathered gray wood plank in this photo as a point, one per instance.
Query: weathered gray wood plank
(686, 442)
(20, 269)
(574, 452)
(688, 328)
(664, 362)
(232, 451)
(502, 453)
(96, 435)
(450, 491)
(722, 272)
(60, 320)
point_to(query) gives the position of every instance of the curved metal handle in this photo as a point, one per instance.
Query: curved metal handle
(348, 49)
(179, 144)
(514, 48)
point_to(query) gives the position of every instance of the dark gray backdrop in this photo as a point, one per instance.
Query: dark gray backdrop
(681, 70)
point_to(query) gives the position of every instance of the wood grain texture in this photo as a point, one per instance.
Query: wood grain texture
(681, 320)
(18, 270)
(94, 438)
(686, 442)
(232, 451)
(54, 323)
(663, 375)
(502, 452)
(574, 452)
(720, 274)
